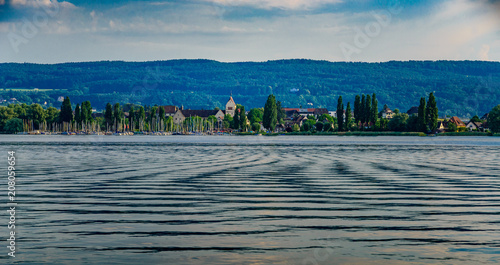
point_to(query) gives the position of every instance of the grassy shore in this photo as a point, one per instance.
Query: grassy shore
(367, 133)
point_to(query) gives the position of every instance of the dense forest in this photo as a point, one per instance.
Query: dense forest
(463, 88)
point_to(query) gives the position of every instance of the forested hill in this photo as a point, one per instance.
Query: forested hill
(462, 88)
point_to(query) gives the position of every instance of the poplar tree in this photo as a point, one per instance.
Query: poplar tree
(348, 119)
(66, 111)
(362, 109)
(270, 117)
(280, 112)
(86, 111)
(357, 103)
(422, 117)
(432, 112)
(374, 109)
(340, 114)
(108, 113)
(368, 108)
(78, 116)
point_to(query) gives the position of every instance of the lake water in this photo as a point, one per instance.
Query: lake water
(254, 200)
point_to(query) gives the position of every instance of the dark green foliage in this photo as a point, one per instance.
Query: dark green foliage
(117, 112)
(476, 119)
(78, 114)
(255, 126)
(340, 115)
(108, 114)
(464, 88)
(255, 115)
(452, 127)
(432, 113)
(14, 125)
(66, 110)
(422, 120)
(368, 108)
(398, 122)
(319, 126)
(86, 112)
(242, 117)
(357, 106)
(280, 112)
(270, 117)
(348, 119)
(494, 119)
(362, 109)
(374, 109)
(36, 114)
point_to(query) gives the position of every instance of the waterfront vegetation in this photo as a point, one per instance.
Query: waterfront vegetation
(364, 120)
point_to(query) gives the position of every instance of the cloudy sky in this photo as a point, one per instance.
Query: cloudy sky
(50, 31)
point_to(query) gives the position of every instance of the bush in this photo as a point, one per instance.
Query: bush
(14, 125)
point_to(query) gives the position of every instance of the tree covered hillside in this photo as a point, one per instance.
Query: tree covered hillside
(462, 88)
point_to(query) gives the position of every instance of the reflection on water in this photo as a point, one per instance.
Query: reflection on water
(226, 200)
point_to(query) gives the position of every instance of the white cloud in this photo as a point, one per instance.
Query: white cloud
(282, 4)
(40, 3)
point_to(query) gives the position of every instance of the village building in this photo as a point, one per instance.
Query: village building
(230, 106)
(182, 114)
(474, 126)
(170, 110)
(455, 120)
(412, 111)
(316, 112)
(387, 113)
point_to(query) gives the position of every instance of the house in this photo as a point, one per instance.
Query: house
(485, 117)
(459, 123)
(230, 106)
(474, 126)
(412, 111)
(305, 112)
(182, 114)
(169, 110)
(387, 113)
(442, 126)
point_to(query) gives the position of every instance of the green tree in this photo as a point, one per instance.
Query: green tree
(357, 105)
(494, 119)
(243, 117)
(228, 121)
(340, 114)
(374, 109)
(432, 113)
(326, 117)
(162, 113)
(6, 114)
(398, 122)
(452, 127)
(117, 112)
(86, 111)
(348, 119)
(108, 114)
(78, 114)
(51, 114)
(368, 108)
(475, 119)
(37, 114)
(295, 127)
(236, 124)
(14, 125)
(66, 110)
(422, 124)
(280, 112)
(131, 118)
(270, 117)
(362, 109)
(141, 114)
(255, 126)
(255, 115)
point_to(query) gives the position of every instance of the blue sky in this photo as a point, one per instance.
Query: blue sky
(50, 31)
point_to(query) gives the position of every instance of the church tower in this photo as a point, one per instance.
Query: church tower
(230, 106)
